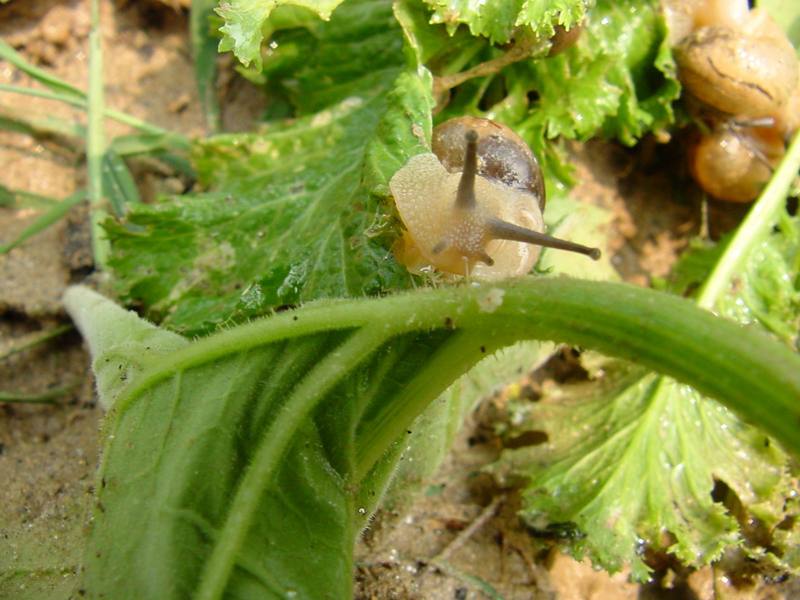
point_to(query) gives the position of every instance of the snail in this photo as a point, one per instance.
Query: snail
(743, 82)
(733, 163)
(474, 205)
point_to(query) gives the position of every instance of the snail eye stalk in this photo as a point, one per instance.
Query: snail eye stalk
(465, 197)
(502, 230)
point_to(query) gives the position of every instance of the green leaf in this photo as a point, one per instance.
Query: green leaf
(632, 466)
(121, 346)
(498, 20)
(766, 289)
(695, 265)
(244, 19)
(296, 212)
(237, 464)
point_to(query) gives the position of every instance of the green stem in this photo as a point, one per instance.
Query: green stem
(669, 335)
(95, 143)
(754, 228)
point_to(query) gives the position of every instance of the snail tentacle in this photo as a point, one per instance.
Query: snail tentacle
(502, 230)
(465, 197)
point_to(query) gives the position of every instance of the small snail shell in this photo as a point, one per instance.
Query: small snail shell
(749, 71)
(474, 206)
(735, 163)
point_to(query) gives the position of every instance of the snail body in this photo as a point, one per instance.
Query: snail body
(474, 205)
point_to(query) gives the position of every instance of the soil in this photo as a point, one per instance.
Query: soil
(465, 531)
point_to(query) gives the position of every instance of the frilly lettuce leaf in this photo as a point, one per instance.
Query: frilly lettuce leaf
(767, 291)
(630, 465)
(244, 20)
(499, 20)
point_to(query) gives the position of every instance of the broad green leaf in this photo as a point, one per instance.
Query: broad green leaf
(499, 20)
(241, 464)
(296, 211)
(631, 463)
(244, 19)
(768, 290)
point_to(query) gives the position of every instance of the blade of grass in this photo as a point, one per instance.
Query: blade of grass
(754, 228)
(204, 49)
(63, 91)
(118, 184)
(35, 339)
(95, 142)
(17, 198)
(47, 79)
(48, 397)
(44, 221)
(177, 140)
(11, 120)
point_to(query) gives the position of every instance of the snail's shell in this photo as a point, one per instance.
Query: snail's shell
(749, 72)
(725, 165)
(502, 154)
